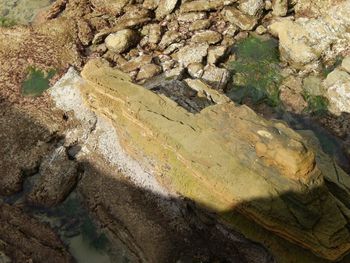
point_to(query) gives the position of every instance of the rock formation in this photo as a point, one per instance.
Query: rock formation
(227, 158)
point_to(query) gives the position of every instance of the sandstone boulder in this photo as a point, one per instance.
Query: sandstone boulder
(337, 84)
(121, 41)
(228, 158)
(307, 39)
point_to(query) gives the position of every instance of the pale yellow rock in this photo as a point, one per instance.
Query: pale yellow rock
(226, 158)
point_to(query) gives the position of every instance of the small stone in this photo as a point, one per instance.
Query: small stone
(155, 33)
(168, 38)
(84, 32)
(175, 73)
(165, 7)
(337, 84)
(148, 71)
(268, 5)
(292, 100)
(231, 30)
(111, 7)
(192, 16)
(168, 65)
(205, 91)
(216, 53)
(191, 53)
(261, 30)
(252, 7)
(150, 4)
(208, 36)
(121, 41)
(172, 48)
(136, 63)
(216, 77)
(279, 7)
(313, 85)
(204, 5)
(346, 64)
(200, 25)
(134, 16)
(195, 70)
(244, 22)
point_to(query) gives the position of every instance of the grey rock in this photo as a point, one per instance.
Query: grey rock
(252, 7)
(216, 77)
(191, 53)
(207, 36)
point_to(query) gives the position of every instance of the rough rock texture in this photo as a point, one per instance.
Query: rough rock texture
(204, 5)
(121, 40)
(110, 6)
(306, 39)
(58, 176)
(252, 7)
(279, 7)
(337, 84)
(155, 224)
(165, 7)
(228, 159)
(24, 239)
(243, 21)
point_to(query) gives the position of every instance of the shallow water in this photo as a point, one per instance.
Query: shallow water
(85, 240)
(22, 11)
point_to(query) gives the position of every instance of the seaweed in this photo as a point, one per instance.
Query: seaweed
(7, 22)
(317, 105)
(256, 71)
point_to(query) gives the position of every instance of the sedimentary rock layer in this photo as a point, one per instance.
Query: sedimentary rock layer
(227, 158)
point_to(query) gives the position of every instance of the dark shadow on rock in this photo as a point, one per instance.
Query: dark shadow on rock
(155, 228)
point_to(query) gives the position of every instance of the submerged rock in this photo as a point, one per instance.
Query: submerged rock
(227, 158)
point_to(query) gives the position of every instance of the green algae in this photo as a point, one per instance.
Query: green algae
(317, 105)
(256, 71)
(37, 82)
(7, 22)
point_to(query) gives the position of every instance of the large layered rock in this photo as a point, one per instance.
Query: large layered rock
(228, 159)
